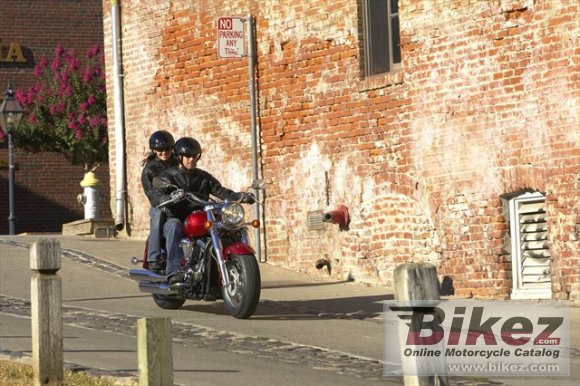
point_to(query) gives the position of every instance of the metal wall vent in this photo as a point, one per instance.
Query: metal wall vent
(314, 219)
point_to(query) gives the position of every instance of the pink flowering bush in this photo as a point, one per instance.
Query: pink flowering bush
(65, 110)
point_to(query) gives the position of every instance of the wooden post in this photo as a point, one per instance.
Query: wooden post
(155, 352)
(46, 298)
(417, 281)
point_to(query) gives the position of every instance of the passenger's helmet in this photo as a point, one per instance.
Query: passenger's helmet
(187, 147)
(161, 140)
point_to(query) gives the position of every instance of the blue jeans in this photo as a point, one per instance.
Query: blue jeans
(156, 221)
(173, 235)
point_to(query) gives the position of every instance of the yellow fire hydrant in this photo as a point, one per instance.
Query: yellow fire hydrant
(91, 196)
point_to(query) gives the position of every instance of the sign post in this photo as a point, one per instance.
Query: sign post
(230, 37)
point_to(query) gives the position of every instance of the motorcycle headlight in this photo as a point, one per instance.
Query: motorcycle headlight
(233, 215)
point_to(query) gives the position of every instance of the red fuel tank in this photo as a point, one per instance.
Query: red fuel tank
(195, 225)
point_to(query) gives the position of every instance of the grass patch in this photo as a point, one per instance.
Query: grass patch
(20, 374)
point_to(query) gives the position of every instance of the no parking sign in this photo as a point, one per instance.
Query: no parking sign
(230, 37)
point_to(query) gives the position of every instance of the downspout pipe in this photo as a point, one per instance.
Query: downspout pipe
(120, 183)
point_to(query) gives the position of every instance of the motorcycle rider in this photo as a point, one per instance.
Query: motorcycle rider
(188, 177)
(158, 160)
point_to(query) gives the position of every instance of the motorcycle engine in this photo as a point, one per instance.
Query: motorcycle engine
(193, 251)
(190, 250)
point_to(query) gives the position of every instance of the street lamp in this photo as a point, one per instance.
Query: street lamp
(10, 115)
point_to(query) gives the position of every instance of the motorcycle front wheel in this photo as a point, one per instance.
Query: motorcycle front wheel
(168, 302)
(243, 294)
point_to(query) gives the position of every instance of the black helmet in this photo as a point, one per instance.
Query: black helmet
(161, 140)
(187, 146)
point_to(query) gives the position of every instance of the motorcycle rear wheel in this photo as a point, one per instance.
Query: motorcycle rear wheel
(242, 296)
(168, 302)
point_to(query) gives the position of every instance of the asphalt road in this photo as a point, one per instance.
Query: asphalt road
(306, 331)
(284, 344)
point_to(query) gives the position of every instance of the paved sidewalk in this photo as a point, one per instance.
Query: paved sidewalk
(288, 292)
(276, 280)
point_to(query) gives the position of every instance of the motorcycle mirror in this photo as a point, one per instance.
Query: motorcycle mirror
(259, 184)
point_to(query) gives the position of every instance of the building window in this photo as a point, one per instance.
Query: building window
(529, 246)
(382, 43)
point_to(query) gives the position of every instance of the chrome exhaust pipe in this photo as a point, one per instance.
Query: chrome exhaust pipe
(144, 274)
(151, 282)
(156, 288)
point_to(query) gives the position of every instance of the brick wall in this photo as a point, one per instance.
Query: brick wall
(486, 104)
(45, 185)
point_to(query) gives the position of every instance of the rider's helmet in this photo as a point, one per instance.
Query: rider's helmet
(161, 140)
(187, 146)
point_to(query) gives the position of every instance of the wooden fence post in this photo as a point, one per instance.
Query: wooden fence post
(417, 281)
(46, 299)
(155, 352)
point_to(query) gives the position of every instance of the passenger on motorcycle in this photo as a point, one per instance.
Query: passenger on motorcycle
(158, 160)
(188, 177)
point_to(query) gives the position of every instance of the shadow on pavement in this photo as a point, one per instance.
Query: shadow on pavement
(107, 298)
(205, 371)
(278, 284)
(361, 307)
(96, 351)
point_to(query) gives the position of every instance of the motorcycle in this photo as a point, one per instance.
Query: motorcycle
(218, 262)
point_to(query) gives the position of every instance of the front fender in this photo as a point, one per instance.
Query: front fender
(238, 249)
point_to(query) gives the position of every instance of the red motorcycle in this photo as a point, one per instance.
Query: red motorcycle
(218, 261)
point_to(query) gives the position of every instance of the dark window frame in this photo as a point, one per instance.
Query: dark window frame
(381, 36)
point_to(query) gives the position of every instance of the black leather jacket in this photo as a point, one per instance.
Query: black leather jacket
(197, 181)
(153, 167)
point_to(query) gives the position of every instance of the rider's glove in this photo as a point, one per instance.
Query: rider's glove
(177, 195)
(247, 198)
(173, 197)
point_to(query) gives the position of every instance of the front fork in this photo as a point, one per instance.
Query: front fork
(218, 248)
(244, 238)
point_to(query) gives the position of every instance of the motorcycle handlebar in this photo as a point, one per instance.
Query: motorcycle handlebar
(175, 196)
(196, 200)
(180, 194)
